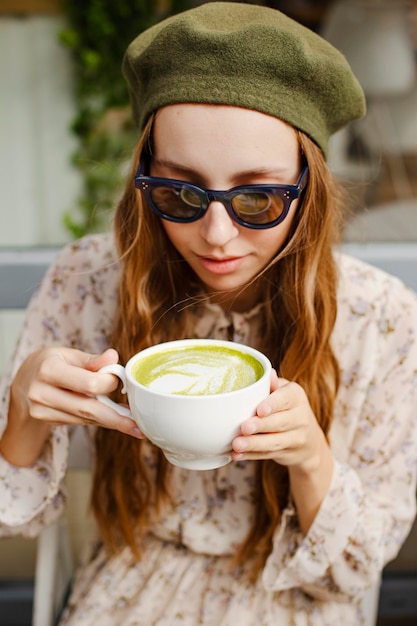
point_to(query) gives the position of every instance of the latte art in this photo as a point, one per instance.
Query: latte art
(197, 370)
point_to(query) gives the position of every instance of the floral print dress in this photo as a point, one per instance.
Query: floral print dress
(184, 576)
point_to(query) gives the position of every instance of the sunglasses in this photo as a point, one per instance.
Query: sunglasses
(253, 206)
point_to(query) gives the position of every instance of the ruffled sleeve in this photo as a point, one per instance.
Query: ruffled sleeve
(324, 563)
(371, 502)
(74, 307)
(33, 497)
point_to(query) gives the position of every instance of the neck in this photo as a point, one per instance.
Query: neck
(239, 300)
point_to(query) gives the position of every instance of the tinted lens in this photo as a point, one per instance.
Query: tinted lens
(258, 208)
(176, 202)
(190, 197)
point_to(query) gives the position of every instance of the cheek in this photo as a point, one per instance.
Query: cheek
(287, 224)
(171, 230)
(178, 234)
(272, 240)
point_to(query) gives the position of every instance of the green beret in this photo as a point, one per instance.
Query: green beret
(248, 56)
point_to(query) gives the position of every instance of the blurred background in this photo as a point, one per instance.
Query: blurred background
(66, 139)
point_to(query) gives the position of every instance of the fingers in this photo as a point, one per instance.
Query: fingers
(284, 396)
(281, 428)
(270, 443)
(273, 424)
(94, 362)
(58, 386)
(76, 370)
(61, 406)
(56, 371)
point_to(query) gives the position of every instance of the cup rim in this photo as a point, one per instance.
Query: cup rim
(240, 347)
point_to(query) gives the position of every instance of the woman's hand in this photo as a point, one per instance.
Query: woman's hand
(56, 386)
(285, 430)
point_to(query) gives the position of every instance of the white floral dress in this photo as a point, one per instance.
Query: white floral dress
(312, 580)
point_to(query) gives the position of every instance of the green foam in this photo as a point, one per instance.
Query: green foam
(197, 370)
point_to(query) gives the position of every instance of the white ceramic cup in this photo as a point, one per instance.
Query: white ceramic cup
(193, 431)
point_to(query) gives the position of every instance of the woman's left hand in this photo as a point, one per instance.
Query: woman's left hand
(285, 429)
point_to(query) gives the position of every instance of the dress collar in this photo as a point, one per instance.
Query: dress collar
(214, 323)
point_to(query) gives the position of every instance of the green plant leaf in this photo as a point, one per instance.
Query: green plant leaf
(98, 34)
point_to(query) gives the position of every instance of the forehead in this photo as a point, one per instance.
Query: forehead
(200, 133)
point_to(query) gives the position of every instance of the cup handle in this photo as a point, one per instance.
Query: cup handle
(119, 371)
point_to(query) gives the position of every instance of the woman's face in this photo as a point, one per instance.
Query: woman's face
(219, 147)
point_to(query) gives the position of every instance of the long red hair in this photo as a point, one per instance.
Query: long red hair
(299, 291)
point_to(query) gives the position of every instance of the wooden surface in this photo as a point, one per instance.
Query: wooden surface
(29, 6)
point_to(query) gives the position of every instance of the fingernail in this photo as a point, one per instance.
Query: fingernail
(135, 432)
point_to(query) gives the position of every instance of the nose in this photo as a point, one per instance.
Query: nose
(216, 226)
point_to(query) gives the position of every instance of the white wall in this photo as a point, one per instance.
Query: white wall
(37, 182)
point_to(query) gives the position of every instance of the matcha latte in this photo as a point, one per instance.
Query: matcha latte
(191, 396)
(197, 370)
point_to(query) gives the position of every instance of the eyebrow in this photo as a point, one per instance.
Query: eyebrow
(257, 171)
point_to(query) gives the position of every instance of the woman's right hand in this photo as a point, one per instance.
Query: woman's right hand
(56, 386)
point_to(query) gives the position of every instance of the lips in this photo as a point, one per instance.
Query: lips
(217, 265)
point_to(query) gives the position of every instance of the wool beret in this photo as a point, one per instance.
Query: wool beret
(248, 56)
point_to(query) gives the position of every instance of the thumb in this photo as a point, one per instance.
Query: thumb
(84, 360)
(95, 361)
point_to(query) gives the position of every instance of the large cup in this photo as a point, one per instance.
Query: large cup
(193, 408)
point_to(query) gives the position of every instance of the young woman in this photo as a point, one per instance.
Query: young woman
(227, 229)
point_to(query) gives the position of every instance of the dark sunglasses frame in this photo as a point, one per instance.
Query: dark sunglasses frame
(286, 193)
